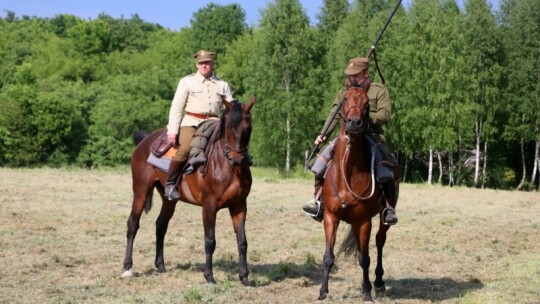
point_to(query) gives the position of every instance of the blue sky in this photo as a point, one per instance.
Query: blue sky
(172, 14)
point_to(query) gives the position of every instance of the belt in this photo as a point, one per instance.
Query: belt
(201, 116)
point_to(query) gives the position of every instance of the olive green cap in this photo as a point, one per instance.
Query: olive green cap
(357, 65)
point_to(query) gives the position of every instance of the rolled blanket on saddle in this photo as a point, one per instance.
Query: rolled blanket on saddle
(198, 145)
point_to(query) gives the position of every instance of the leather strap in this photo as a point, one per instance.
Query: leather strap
(201, 116)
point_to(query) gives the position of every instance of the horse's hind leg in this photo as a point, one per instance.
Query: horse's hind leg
(139, 200)
(238, 216)
(162, 224)
(380, 239)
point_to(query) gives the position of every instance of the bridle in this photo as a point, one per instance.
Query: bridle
(227, 148)
(363, 122)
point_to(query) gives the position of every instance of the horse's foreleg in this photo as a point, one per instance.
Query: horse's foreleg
(380, 239)
(209, 222)
(162, 223)
(364, 233)
(331, 224)
(238, 216)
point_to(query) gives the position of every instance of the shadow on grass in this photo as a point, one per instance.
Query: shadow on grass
(412, 288)
(265, 274)
(430, 289)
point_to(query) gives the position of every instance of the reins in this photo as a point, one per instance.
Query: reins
(365, 194)
(357, 197)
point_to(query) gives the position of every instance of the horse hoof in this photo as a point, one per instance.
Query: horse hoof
(210, 280)
(380, 291)
(322, 297)
(246, 283)
(368, 299)
(127, 274)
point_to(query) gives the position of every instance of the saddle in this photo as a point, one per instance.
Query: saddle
(161, 145)
(163, 150)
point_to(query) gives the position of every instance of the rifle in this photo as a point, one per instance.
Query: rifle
(369, 54)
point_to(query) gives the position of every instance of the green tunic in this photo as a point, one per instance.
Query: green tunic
(380, 111)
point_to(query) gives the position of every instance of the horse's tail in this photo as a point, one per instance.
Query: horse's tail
(349, 246)
(139, 136)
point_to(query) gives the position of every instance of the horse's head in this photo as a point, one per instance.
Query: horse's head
(236, 130)
(355, 110)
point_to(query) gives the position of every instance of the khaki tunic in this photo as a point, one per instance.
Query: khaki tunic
(196, 94)
(380, 109)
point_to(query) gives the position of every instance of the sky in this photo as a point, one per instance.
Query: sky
(172, 14)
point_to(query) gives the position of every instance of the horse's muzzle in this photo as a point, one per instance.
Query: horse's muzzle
(354, 126)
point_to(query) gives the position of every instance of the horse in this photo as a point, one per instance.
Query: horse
(225, 183)
(351, 193)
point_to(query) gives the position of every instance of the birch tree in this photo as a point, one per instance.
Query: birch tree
(482, 71)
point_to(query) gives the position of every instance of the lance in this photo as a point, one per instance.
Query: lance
(369, 54)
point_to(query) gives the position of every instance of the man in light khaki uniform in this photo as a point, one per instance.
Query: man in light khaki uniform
(200, 96)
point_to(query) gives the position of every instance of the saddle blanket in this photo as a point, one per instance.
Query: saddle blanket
(162, 163)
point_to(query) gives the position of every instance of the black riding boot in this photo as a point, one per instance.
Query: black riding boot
(315, 208)
(390, 195)
(175, 169)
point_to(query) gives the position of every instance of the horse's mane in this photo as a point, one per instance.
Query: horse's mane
(236, 115)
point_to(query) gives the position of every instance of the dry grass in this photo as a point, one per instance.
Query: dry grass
(62, 240)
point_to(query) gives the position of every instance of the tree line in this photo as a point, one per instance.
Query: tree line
(465, 83)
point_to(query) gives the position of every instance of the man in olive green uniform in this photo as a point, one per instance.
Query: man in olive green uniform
(200, 96)
(380, 105)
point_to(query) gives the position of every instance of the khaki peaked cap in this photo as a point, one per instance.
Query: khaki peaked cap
(202, 56)
(357, 65)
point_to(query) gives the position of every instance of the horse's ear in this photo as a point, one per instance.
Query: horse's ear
(251, 103)
(367, 84)
(227, 104)
(348, 83)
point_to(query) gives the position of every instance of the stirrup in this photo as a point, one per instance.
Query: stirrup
(318, 215)
(169, 191)
(385, 214)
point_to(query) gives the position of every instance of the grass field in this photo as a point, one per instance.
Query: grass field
(62, 240)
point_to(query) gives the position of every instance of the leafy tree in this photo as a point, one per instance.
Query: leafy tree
(332, 15)
(521, 20)
(483, 55)
(285, 55)
(438, 109)
(214, 26)
(235, 65)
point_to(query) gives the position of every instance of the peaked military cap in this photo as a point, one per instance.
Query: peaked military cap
(202, 56)
(357, 65)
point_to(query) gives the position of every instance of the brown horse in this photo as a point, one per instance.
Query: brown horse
(225, 183)
(352, 194)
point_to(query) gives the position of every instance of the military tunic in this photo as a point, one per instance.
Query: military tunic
(201, 99)
(380, 109)
(198, 95)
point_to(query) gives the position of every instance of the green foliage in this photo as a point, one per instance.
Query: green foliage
(287, 57)
(214, 26)
(74, 90)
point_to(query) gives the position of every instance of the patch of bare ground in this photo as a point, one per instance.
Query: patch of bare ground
(62, 240)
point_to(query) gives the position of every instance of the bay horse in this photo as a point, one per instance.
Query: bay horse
(225, 183)
(351, 193)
